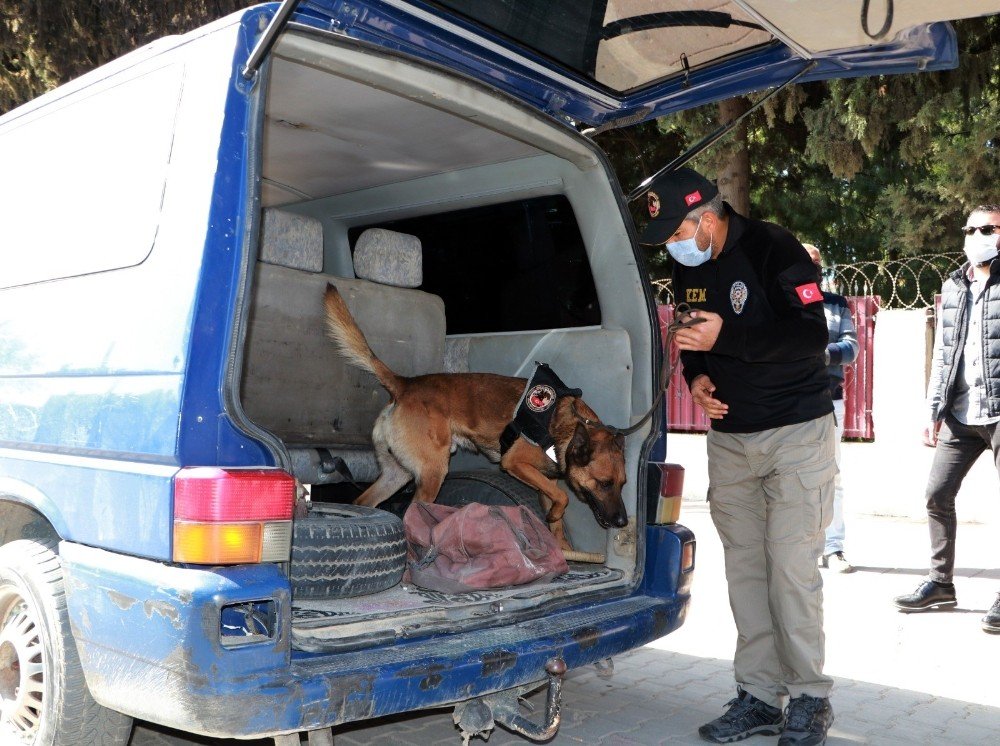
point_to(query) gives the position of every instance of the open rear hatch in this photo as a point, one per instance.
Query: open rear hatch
(619, 62)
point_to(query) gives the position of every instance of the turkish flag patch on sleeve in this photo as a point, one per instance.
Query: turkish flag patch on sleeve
(809, 293)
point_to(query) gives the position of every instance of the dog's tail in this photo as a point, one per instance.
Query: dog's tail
(352, 343)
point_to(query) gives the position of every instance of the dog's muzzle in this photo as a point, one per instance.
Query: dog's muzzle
(619, 521)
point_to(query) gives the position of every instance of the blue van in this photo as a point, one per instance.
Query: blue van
(179, 441)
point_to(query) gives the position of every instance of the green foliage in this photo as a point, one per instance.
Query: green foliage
(44, 44)
(873, 168)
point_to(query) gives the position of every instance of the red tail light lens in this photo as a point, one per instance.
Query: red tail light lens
(210, 494)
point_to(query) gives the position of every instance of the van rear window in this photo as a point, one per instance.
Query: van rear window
(83, 178)
(516, 266)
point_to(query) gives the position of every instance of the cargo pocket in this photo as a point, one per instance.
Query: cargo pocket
(801, 503)
(817, 489)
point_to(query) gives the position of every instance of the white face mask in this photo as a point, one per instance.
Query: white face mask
(688, 253)
(979, 248)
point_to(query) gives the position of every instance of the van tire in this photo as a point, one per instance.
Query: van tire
(341, 551)
(33, 621)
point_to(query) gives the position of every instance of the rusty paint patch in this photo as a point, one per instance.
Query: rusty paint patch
(122, 601)
(587, 637)
(498, 661)
(350, 698)
(661, 623)
(167, 611)
(431, 682)
(422, 671)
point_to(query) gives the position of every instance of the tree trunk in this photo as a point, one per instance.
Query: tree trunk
(734, 176)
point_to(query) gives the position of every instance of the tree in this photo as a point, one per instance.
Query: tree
(45, 44)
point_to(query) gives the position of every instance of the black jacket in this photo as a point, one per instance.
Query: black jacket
(768, 362)
(949, 342)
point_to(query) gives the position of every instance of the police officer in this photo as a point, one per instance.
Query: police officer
(756, 367)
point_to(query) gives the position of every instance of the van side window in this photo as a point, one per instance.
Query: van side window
(91, 170)
(517, 266)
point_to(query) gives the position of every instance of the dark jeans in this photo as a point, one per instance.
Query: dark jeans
(958, 447)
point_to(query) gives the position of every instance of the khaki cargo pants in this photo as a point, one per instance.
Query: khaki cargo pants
(771, 499)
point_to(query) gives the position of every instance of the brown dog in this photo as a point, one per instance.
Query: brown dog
(430, 416)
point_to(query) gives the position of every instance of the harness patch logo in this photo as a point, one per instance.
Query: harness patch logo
(809, 293)
(695, 295)
(738, 295)
(653, 202)
(540, 398)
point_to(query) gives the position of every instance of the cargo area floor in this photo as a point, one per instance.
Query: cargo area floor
(323, 624)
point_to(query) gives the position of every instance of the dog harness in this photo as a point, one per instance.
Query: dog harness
(534, 411)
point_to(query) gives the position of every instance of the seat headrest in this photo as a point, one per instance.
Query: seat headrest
(389, 258)
(292, 240)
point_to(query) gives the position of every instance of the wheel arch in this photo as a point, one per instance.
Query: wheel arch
(26, 513)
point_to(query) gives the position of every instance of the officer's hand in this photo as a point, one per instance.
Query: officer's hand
(700, 337)
(931, 434)
(702, 390)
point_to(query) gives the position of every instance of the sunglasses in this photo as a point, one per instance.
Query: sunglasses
(986, 230)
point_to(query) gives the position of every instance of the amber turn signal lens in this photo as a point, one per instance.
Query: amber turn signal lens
(217, 543)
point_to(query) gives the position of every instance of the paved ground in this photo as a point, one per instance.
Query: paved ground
(900, 679)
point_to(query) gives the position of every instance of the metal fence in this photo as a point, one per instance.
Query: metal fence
(903, 283)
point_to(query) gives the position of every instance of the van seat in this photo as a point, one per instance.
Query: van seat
(299, 387)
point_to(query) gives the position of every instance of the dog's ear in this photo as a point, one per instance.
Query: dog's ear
(619, 441)
(579, 451)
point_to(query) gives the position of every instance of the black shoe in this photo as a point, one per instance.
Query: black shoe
(929, 595)
(991, 622)
(807, 719)
(745, 717)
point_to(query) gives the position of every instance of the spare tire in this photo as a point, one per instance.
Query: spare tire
(489, 488)
(340, 551)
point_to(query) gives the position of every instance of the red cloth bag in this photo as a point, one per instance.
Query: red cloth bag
(476, 547)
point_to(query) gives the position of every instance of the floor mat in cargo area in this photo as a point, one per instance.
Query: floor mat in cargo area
(405, 605)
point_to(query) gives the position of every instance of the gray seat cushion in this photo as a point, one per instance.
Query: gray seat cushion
(389, 258)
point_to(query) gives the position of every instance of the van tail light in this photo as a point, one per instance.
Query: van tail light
(232, 516)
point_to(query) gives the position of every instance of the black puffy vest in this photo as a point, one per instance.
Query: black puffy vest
(954, 307)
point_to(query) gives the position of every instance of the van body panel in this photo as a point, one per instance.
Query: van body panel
(263, 688)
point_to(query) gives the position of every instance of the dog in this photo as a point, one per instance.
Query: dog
(429, 417)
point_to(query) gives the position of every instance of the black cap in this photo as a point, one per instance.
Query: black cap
(670, 198)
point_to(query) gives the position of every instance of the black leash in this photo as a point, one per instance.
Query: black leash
(682, 320)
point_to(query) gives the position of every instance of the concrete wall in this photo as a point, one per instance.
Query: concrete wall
(888, 476)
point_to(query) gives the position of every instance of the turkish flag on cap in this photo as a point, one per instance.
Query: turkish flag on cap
(690, 199)
(809, 293)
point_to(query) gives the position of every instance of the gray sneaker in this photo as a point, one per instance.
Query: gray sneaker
(807, 719)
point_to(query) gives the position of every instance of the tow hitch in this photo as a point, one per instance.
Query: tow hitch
(478, 716)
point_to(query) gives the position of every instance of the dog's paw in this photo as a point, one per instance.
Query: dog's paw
(556, 527)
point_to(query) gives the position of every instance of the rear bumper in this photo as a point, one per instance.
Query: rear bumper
(148, 636)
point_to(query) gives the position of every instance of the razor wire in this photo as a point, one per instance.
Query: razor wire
(910, 282)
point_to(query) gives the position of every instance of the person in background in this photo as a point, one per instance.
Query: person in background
(755, 366)
(963, 399)
(841, 350)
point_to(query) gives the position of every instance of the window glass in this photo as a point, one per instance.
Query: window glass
(511, 267)
(82, 180)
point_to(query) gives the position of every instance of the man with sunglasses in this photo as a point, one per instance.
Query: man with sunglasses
(963, 397)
